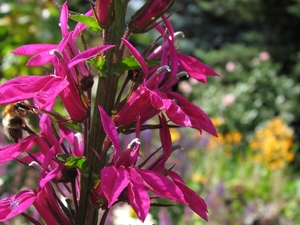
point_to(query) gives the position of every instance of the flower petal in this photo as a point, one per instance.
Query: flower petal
(10, 152)
(174, 112)
(113, 182)
(138, 196)
(194, 201)
(10, 207)
(195, 68)
(198, 117)
(137, 56)
(25, 87)
(110, 129)
(162, 186)
(40, 59)
(33, 49)
(88, 54)
(47, 94)
(64, 19)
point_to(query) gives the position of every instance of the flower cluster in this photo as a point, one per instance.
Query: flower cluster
(79, 157)
(272, 144)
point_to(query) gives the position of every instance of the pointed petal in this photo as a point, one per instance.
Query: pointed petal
(47, 94)
(198, 117)
(138, 196)
(64, 19)
(33, 49)
(12, 151)
(110, 129)
(88, 54)
(113, 182)
(162, 186)
(51, 175)
(136, 105)
(160, 101)
(21, 88)
(40, 59)
(174, 112)
(194, 201)
(137, 56)
(195, 68)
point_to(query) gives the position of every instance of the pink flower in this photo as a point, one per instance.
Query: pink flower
(16, 204)
(230, 66)
(148, 103)
(68, 151)
(124, 178)
(228, 99)
(264, 56)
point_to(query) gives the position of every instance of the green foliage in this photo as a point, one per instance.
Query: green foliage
(247, 194)
(89, 21)
(258, 95)
(16, 18)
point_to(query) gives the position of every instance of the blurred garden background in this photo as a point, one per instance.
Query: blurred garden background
(249, 175)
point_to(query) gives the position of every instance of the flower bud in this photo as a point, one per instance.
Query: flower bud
(104, 12)
(149, 12)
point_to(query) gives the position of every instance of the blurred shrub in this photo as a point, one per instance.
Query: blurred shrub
(243, 100)
(240, 190)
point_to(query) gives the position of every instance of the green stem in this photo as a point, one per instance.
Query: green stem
(105, 97)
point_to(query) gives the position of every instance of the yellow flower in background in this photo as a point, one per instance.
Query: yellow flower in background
(199, 178)
(234, 137)
(175, 135)
(226, 141)
(272, 144)
(217, 121)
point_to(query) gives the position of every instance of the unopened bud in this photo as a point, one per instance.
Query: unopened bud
(149, 12)
(104, 10)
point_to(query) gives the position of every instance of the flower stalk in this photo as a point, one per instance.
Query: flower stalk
(105, 97)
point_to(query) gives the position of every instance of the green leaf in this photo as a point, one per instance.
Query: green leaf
(123, 65)
(72, 161)
(77, 162)
(98, 62)
(87, 20)
(73, 125)
(63, 157)
(129, 63)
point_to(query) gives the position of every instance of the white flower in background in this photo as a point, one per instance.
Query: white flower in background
(125, 215)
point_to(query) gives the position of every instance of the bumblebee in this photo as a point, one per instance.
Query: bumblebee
(14, 120)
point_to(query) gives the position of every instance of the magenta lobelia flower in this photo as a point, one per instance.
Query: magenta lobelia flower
(82, 168)
(125, 174)
(14, 205)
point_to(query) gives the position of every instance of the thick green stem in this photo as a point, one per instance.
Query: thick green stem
(105, 97)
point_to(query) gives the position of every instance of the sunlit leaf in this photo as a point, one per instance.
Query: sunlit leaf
(87, 20)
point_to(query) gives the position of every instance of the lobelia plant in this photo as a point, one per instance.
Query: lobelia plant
(79, 155)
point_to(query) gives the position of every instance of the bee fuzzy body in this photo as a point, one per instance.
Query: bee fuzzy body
(14, 121)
